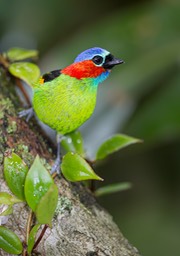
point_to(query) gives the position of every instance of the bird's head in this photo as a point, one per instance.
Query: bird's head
(92, 63)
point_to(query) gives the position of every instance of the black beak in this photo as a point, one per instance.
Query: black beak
(111, 61)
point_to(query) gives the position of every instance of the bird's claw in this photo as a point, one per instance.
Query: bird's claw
(28, 113)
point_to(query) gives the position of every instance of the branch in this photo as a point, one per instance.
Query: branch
(80, 225)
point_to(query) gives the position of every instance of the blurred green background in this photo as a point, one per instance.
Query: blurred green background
(141, 98)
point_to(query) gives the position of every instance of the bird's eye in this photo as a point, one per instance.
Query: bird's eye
(98, 60)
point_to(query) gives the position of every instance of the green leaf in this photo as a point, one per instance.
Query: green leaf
(8, 199)
(7, 211)
(113, 188)
(5, 198)
(9, 241)
(113, 144)
(26, 71)
(73, 142)
(75, 168)
(32, 237)
(15, 171)
(47, 206)
(16, 54)
(37, 183)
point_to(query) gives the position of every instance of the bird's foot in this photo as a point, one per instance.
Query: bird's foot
(56, 166)
(28, 113)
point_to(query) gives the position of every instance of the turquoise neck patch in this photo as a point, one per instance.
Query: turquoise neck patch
(99, 79)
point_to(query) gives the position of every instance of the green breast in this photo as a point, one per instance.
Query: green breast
(65, 103)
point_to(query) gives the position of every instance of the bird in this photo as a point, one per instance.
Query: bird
(65, 98)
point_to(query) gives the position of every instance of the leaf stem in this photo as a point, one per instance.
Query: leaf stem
(40, 236)
(24, 253)
(28, 227)
(92, 186)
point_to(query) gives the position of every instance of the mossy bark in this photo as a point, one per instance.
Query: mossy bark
(80, 225)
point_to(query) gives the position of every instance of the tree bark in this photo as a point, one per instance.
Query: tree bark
(80, 225)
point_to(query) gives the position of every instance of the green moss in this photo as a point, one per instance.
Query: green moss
(6, 106)
(27, 158)
(50, 150)
(22, 147)
(46, 164)
(2, 142)
(1, 114)
(1, 138)
(12, 127)
(1, 158)
(23, 151)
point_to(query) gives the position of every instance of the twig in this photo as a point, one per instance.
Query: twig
(19, 84)
(4, 61)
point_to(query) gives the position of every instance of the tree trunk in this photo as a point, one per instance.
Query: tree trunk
(80, 225)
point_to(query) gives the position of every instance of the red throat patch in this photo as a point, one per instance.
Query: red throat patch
(83, 69)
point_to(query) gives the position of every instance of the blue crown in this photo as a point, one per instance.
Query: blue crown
(90, 53)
